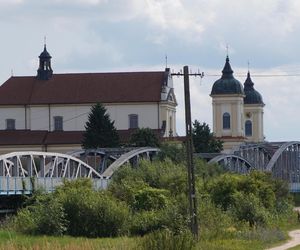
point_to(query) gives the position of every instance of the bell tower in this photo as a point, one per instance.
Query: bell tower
(254, 110)
(44, 71)
(228, 113)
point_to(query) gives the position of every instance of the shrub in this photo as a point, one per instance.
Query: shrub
(172, 151)
(144, 137)
(247, 207)
(46, 216)
(91, 213)
(150, 198)
(167, 240)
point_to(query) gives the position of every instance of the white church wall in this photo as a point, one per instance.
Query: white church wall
(16, 112)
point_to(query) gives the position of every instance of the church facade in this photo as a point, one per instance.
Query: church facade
(48, 111)
(237, 110)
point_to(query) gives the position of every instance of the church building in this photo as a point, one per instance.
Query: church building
(48, 111)
(237, 110)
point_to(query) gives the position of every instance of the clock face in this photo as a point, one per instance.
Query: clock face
(248, 114)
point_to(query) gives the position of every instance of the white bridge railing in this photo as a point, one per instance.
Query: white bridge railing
(25, 185)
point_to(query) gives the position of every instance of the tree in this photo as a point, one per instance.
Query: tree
(144, 137)
(204, 141)
(100, 130)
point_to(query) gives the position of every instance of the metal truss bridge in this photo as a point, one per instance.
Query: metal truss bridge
(22, 172)
(279, 158)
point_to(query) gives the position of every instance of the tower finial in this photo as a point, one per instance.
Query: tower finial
(166, 58)
(45, 41)
(227, 49)
(248, 65)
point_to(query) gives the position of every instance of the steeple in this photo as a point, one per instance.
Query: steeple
(227, 70)
(248, 84)
(44, 71)
(251, 95)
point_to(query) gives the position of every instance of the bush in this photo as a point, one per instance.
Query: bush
(247, 207)
(213, 221)
(91, 213)
(46, 216)
(144, 137)
(172, 151)
(167, 240)
(151, 199)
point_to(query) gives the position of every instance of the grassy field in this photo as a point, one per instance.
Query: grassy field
(11, 241)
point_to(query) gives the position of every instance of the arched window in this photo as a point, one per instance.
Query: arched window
(226, 121)
(248, 128)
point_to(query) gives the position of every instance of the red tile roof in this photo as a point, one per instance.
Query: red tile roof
(22, 137)
(41, 137)
(83, 88)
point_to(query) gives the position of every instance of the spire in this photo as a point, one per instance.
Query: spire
(248, 85)
(227, 71)
(44, 71)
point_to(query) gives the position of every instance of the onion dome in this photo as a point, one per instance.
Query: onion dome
(251, 95)
(227, 84)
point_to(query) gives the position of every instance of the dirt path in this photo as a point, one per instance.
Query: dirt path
(294, 241)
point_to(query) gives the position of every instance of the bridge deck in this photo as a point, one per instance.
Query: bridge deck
(25, 185)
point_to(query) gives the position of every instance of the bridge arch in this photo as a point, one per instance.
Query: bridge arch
(233, 163)
(285, 163)
(131, 156)
(44, 164)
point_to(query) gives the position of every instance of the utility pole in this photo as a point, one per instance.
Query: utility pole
(189, 151)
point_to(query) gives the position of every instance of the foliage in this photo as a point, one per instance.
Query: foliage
(203, 139)
(255, 198)
(144, 137)
(213, 220)
(150, 198)
(167, 240)
(173, 151)
(46, 216)
(100, 130)
(78, 210)
(91, 213)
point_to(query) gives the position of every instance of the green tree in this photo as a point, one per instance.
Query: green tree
(144, 137)
(204, 141)
(100, 130)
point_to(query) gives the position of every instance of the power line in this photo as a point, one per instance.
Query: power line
(256, 75)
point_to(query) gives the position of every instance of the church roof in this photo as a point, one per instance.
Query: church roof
(251, 95)
(227, 84)
(82, 88)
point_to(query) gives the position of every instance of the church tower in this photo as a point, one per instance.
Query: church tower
(253, 112)
(44, 71)
(228, 108)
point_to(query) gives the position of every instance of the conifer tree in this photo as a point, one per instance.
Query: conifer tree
(100, 131)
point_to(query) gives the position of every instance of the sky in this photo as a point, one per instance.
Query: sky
(137, 35)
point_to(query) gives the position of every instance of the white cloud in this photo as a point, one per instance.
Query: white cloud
(10, 2)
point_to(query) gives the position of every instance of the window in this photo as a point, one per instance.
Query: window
(226, 121)
(248, 128)
(10, 124)
(58, 123)
(133, 121)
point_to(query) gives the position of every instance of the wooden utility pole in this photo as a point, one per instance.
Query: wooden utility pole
(189, 151)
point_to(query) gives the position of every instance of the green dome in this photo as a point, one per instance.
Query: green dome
(227, 84)
(251, 95)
